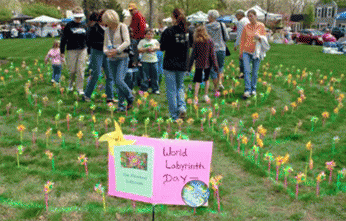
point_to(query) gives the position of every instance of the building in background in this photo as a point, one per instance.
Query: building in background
(325, 14)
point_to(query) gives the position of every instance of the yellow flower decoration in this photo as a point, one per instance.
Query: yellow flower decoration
(146, 94)
(273, 110)
(286, 158)
(59, 134)
(121, 120)
(330, 165)
(309, 145)
(82, 159)
(48, 131)
(244, 140)
(255, 116)
(259, 142)
(49, 154)
(336, 110)
(300, 100)
(80, 134)
(225, 130)
(180, 121)
(233, 130)
(321, 176)
(279, 160)
(300, 177)
(48, 186)
(190, 121)
(21, 128)
(325, 114)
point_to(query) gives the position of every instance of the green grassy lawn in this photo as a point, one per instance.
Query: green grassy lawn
(247, 192)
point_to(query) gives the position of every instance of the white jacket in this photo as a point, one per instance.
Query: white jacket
(261, 48)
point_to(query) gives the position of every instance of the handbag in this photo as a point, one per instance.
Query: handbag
(129, 49)
(228, 53)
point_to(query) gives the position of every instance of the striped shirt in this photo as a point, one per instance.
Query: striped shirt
(240, 26)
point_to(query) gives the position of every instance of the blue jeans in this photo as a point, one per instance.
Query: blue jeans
(241, 66)
(247, 59)
(159, 55)
(98, 60)
(56, 72)
(118, 68)
(175, 92)
(150, 73)
(220, 56)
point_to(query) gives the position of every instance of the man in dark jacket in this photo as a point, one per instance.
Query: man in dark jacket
(74, 39)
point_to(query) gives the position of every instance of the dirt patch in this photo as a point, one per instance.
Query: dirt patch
(3, 62)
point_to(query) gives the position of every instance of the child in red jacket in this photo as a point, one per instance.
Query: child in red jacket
(204, 55)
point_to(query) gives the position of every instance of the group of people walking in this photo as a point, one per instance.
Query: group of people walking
(110, 45)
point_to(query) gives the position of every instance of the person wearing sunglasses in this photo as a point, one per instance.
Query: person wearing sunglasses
(74, 39)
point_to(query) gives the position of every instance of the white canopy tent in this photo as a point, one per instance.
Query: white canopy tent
(43, 19)
(198, 17)
(169, 19)
(262, 13)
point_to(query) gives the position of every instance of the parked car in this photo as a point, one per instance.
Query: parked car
(308, 36)
(338, 32)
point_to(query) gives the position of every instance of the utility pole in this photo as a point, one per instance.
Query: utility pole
(151, 13)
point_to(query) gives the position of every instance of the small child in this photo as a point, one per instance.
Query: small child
(148, 48)
(204, 55)
(56, 60)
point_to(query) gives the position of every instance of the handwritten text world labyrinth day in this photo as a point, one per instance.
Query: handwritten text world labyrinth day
(179, 166)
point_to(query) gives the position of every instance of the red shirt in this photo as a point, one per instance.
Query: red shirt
(138, 25)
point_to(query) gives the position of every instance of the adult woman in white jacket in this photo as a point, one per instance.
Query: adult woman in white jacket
(117, 39)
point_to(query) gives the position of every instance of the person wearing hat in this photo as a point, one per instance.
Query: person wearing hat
(138, 26)
(74, 39)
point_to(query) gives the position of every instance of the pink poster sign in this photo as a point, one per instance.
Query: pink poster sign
(156, 170)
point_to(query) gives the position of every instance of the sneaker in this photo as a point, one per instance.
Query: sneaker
(112, 101)
(129, 105)
(253, 93)
(246, 95)
(52, 81)
(182, 115)
(70, 88)
(221, 87)
(85, 98)
(157, 92)
(81, 93)
(206, 98)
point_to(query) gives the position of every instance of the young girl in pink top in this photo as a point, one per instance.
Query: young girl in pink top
(57, 60)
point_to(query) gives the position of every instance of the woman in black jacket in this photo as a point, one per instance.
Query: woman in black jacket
(176, 41)
(98, 59)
